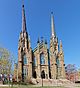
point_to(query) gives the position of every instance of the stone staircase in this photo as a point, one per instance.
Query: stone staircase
(53, 82)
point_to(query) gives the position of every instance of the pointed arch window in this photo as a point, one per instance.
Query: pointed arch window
(25, 71)
(25, 60)
(58, 62)
(35, 62)
(42, 60)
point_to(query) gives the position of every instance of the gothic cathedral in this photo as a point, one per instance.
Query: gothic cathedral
(41, 60)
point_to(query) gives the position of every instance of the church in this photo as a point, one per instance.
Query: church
(32, 63)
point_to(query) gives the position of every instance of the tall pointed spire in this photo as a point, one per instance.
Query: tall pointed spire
(52, 26)
(23, 18)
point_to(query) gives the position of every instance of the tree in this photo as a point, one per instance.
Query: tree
(79, 74)
(71, 72)
(6, 61)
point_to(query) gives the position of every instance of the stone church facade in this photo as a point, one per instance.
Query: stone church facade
(32, 63)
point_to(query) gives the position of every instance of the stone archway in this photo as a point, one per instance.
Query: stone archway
(43, 74)
(34, 75)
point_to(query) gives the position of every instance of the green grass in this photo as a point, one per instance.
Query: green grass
(39, 87)
(28, 86)
(33, 86)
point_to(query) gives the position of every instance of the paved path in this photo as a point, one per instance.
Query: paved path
(4, 85)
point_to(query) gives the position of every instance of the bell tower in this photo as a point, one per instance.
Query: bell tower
(24, 52)
(53, 49)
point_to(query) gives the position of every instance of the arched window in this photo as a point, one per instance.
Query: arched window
(25, 61)
(35, 63)
(25, 72)
(42, 60)
(58, 62)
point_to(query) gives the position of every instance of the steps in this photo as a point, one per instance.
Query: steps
(52, 82)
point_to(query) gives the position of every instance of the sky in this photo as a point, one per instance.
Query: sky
(38, 17)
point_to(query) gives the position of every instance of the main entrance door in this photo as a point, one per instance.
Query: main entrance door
(34, 74)
(43, 74)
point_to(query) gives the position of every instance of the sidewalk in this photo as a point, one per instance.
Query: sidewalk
(1, 85)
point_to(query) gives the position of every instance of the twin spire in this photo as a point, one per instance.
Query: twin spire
(24, 22)
(53, 34)
(23, 18)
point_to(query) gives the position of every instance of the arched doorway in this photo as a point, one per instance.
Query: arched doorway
(34, 75)
(49, 74)
(43, 74)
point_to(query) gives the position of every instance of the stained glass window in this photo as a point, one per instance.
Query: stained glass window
(42, 60)
(24, 71)
(35, 61)
(58, 63)
(25, 60)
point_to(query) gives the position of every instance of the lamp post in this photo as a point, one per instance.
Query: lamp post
(42, 82)
(57, 70)
(42, 76)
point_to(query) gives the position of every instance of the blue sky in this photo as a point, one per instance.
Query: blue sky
(67, 24)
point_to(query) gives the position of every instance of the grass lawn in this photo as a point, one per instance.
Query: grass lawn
(27, 86)
(39, 87)
(33, 86)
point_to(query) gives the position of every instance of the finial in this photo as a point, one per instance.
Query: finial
(29, 37)
(60, 43)
(61, 48)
